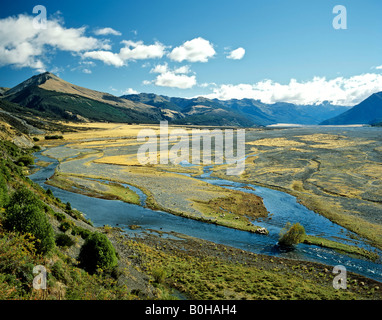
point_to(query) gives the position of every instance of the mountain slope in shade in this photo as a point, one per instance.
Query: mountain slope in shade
(368, 111)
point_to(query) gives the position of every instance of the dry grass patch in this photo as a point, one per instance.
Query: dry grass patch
(328, 141)
(276, 142)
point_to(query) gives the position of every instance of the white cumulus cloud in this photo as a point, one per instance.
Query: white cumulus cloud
(176, 78)
(130, 52)
(139, 51)
(23, 45)
(107, 57)
(237, 54)
(195, 50)
(106, 31)
(338, 91)
(130, 91)
(170, 79)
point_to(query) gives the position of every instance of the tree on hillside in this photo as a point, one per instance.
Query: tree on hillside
(97, 253)
(25, 214)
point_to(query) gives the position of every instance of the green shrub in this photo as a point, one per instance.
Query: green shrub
(159, 275)
(68, 206)
(53, 137)
(82, 232)
(97, 253)
(58, 271)
(291, 235)
(17, 262)
(49, 193)
(36, 139)
(64, 241)
(59, 216)
(3, 191)
(66, 225)
(24, 214)
(25, 161)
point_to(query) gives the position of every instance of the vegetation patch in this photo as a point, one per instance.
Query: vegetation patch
(341, 247)
(234, 211)
(203, 270)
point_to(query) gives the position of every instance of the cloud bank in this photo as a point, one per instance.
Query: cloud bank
(339, 91)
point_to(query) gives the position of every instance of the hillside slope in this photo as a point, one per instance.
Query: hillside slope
(368, 111)
(49, 96)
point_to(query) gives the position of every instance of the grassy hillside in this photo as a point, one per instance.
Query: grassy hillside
(53, 237)
(57, 105)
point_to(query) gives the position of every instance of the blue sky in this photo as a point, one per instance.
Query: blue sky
(274, 50)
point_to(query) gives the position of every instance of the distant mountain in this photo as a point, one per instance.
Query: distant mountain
(197, 111)
(242, 111)
(368, 111)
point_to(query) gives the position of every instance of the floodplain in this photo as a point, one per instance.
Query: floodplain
(334, 171)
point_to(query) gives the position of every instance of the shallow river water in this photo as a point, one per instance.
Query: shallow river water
(283, 208)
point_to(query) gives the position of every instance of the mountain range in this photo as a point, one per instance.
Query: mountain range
(49, 97)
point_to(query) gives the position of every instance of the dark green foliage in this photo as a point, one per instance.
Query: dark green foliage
(63, 240)
(59, 216)
(291, 235)
(24, 214)
(68, 206)
(10, 148)
(25, 161)
(65, 225)
(97, 252)
(59, 272)
(54, 137)
(36, 139)
(49, 193)
(3, 191)
(82, 232)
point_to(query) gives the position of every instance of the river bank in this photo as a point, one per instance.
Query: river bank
(200, 269)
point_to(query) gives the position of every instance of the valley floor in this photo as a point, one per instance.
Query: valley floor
(335, 171)
(332, 170)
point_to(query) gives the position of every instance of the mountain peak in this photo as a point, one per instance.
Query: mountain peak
(34, 81)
